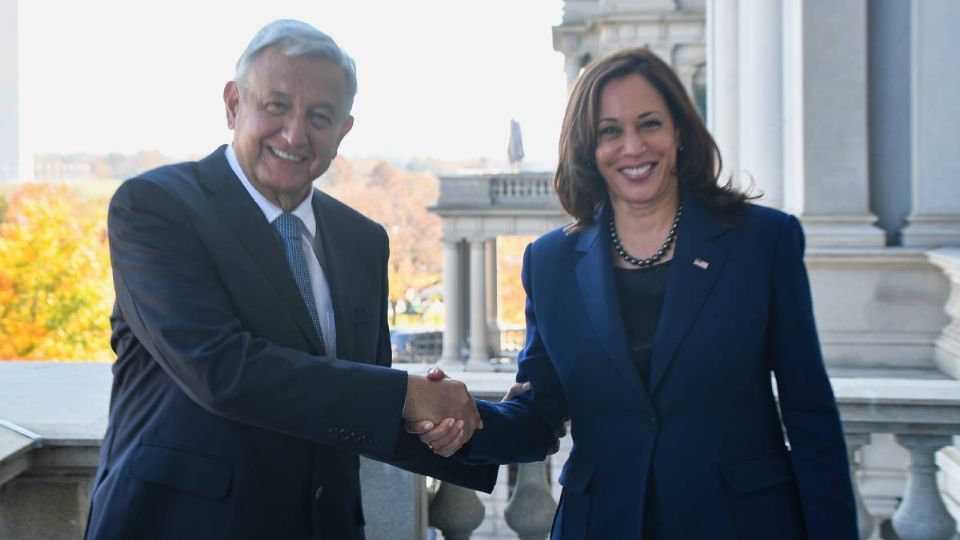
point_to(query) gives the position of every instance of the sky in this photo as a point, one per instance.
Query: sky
(437, 78)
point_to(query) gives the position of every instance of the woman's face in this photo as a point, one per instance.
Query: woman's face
(636, 143)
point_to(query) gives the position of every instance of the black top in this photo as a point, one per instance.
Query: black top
(641, 292)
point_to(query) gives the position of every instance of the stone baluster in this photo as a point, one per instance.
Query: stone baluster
(866, 523)
(455, 511)
(529, 512)
(922, 514)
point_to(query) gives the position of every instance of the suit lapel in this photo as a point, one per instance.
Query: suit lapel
(594, 272)
(334, 257)
(244, 219)
(697, 262)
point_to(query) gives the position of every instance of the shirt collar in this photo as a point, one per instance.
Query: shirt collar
(304, 210)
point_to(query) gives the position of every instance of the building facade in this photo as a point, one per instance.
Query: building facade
(838, 112)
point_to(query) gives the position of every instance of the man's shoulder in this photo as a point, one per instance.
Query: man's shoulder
(178, 178)
(214, 163)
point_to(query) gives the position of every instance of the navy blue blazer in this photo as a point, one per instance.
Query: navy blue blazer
(701, 452)
(225, 423)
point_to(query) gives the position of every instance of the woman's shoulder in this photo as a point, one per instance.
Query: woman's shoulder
(761, 225)
(765, 216)
(555, 243)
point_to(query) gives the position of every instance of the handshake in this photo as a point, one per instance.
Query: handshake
(442, 413)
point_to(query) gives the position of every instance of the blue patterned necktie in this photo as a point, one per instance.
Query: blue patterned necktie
(291, 231)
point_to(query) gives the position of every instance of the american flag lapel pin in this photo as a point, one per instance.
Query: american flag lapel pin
(701, 264)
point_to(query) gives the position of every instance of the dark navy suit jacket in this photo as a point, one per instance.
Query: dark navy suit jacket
(701, 452)
(225, 423)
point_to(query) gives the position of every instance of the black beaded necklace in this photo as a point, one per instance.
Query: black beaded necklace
(649, 261)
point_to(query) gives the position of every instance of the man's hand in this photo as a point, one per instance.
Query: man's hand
(439, 403)
(444, 438)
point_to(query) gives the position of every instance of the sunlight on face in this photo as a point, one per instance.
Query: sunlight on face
(288, 118)
(636, 143)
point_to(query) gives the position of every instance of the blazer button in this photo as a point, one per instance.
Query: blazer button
(318, 493)
(650, 422)
(332, 432)
(344, 433)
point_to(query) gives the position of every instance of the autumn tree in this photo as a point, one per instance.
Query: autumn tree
(55, 284)
(512, 299)
(398, 200)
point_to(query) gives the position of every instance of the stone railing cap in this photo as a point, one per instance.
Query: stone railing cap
(64, 403)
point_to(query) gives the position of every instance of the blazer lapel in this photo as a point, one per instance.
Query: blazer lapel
(697, 262)
(244, 219)
(334, 257)
(594, 272)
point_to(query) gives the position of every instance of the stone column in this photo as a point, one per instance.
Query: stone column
(935, 84)
(479, 359)
(572, 67)
(452, 324)
(16, 161)
(865, 521)
(825, 107)
(722, 80)
(922, 514)
(688, 61)
(760, 88)
(493, 326)
(888, 42)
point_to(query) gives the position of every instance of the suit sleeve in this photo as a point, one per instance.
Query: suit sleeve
(171, 294)
(521, 430)
(809, 410)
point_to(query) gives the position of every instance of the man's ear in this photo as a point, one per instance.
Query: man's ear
(344, 129)
(231, 101)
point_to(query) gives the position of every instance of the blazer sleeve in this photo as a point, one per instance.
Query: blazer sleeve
(521, 430)
(809, 410)
(170, 292)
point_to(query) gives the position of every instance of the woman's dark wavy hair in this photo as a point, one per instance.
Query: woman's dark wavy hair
(578, 182)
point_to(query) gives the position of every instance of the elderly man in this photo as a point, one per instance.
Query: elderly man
(250, 327)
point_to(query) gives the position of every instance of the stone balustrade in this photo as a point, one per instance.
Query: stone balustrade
(923, 415)
(524, 190)
(948, 345)
(53, 415)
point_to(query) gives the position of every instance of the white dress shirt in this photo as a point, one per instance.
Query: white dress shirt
(321, 289)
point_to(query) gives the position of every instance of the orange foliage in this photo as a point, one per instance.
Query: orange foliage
(55, 284)
(512, 298)
(398, 200)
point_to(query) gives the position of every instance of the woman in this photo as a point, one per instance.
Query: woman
(654, 322)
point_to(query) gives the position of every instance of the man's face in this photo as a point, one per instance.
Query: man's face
(288, 117)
